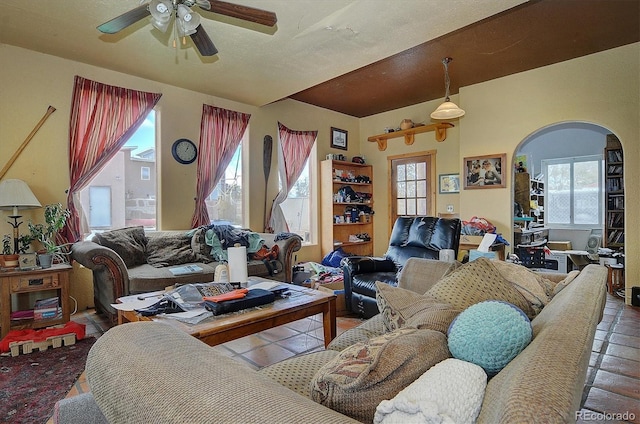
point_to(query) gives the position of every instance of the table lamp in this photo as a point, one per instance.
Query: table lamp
(14, 195)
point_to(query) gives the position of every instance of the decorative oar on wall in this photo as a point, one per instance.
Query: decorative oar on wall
(266, 166)
(50, 110)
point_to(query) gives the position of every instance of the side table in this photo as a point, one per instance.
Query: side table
(615, 279)
(17, 282)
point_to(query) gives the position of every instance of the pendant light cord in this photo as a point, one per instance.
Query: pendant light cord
(447, 81)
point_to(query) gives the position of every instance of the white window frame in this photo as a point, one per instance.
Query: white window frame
(572, 161)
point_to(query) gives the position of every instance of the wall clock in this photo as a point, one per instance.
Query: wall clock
(184, 151)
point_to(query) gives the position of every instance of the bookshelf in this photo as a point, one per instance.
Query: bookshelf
(339, 222)
(614, 194)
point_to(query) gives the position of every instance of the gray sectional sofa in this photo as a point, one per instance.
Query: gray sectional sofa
(170, 377)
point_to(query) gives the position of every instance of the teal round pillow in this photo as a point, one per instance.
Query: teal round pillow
(489, 334)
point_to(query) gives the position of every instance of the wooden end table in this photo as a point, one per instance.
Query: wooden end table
(17, 282)
(303, 302)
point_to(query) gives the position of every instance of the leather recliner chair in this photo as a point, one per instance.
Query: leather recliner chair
(421, 236)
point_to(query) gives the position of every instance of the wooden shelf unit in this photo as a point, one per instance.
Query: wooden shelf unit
(409, 135)
(614, 194)
(335, 235)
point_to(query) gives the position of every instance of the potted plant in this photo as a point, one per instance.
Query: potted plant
(55, 218)
(9, 259)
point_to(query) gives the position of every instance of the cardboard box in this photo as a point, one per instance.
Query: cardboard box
(338, 290)
(559, 245)
(470, 239)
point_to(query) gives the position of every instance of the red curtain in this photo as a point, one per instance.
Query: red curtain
(103, 117)
(293, 152)
(221, 131)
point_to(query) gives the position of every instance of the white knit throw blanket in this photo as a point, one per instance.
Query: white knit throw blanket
(450, 392)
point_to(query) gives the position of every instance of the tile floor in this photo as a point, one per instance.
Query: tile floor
(612, 385)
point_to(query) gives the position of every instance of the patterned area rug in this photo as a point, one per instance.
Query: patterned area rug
(31, 384)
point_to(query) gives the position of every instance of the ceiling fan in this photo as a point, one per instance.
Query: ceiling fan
(186, 21)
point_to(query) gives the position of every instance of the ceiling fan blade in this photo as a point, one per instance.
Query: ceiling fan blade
(203, 42)
(128, 18)
(245, 13)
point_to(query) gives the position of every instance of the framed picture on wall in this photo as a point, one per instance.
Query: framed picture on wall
(485, 171)
(338, 138)
(449, 183)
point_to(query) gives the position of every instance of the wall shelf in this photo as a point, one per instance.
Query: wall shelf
(440, 130)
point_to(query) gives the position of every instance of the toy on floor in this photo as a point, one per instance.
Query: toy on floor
(41, 339)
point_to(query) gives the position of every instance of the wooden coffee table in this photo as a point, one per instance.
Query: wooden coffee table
(302, 303)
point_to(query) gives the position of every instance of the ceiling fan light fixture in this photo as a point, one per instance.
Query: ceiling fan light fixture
(161, 11)
(187, 20)
(448, 109)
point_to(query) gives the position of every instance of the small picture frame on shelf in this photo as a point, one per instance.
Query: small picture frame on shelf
(485, 171)
(28, 261)
(449, 183)
(338, 138)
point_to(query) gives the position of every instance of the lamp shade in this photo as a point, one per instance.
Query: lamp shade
(447, 110)
(16, 194)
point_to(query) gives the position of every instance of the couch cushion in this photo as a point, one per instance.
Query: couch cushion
(475, 282)
(535, 288)
(145, 278)
(167, 250)
(363, 375)
(400, 308)
(129, 243)
(489, 334)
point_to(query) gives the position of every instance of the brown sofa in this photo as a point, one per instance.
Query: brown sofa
(130, 261)
(170, 377)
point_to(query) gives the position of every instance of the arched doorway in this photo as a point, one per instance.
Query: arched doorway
(566, 184)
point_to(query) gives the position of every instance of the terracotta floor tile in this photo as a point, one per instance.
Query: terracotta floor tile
(304, 325)
(612, 403)
(615, 383)
(628, 330)
(278, 333)
(605, 326)
(246, 343)
(597, 346)
(627, 352)
(622, 366)
(600, 335)
(268, 354)
(623, 339)
(301, 343)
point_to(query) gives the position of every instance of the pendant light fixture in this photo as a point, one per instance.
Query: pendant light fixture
(448, 109)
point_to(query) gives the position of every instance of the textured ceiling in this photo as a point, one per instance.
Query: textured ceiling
(358, 57)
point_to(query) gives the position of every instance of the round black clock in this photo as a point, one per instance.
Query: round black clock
(184, 151)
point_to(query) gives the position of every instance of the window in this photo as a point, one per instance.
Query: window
(225, 202)
(412, 185)
(573, 191)
(123, 193)
(145, 173)
(301, 201)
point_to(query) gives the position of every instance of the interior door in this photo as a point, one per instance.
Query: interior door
(412, 185)
(99, 206)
